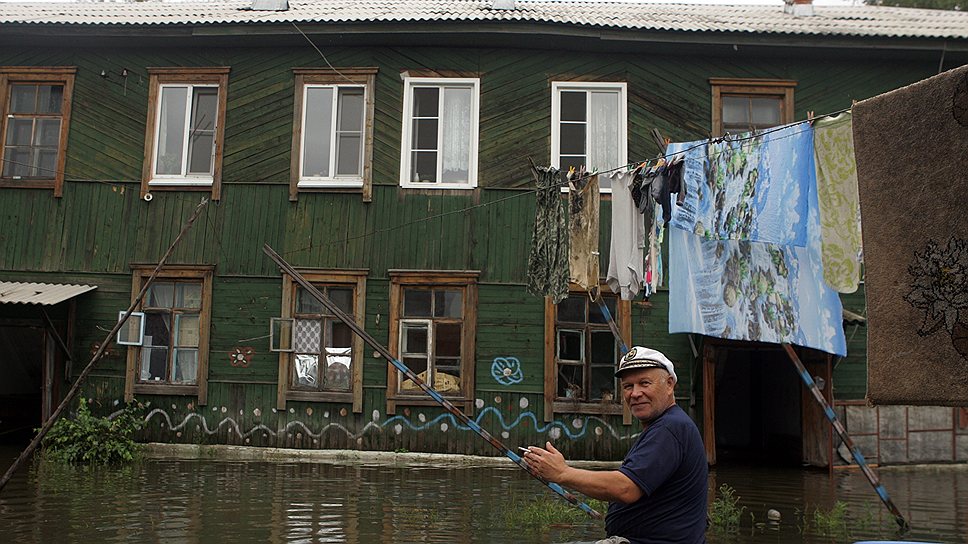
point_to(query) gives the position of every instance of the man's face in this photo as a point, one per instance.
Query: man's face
(648, 392)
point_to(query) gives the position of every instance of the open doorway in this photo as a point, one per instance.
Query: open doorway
(22, 361)
(757, 408)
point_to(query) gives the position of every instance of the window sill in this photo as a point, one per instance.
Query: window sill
(315, 396)
(596, 408)
(424, 400)
(437, 186)
(330, 184)
(27, 183)
(180, 182)
(165, 389)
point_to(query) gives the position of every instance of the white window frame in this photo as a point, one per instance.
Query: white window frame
(431, 371)
(556, 89)
(185, 178)
(409, 84)
(333, 180)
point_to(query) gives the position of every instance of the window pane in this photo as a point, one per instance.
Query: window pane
(186, 330)
(595, 314)
(603, 383)
(171, 130)
(339, 334)
(447, 340)
(188, 295)
(48, 132)
(307, 335)
(570, 380)
(306, 370)
(419, 367)
(154, 364)
(351, 109)
(50, 98)
(605, 131)
(447, 376)
(204, 108)
(447, 303)
(157, 329)
(571, 346)
(414, 339)
(46, 163)
(160, 295)
(416, 302)
(456, 127)
(186, 366)
(19, 131)
(576, 161)
(425, 101)
(736, 110)
(572, 139)
(17, 163)
(349, 155)
(424, 134)
(307, 304)
(572, 309)
(573, 106)
(765, 111)
(23, 98)
(201, 153)
(317, 131)
(338, 361)
(603, 348)
(423, 166)
(342, 297)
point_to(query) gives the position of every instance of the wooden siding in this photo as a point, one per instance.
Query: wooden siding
(101, 226)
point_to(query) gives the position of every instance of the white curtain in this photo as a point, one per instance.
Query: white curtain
(604, 131)
(456, 137)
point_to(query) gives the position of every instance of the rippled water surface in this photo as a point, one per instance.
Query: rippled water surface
(163, 500)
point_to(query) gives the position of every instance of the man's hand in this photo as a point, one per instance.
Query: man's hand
(548, 463)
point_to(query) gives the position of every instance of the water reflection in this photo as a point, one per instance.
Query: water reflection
(195, 501)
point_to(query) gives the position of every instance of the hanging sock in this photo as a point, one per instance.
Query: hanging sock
(583, 257)
(833, 147)
(548, 258)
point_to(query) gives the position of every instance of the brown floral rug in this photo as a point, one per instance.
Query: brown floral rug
(911, 147)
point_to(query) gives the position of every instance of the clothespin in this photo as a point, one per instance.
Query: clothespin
(810, 117)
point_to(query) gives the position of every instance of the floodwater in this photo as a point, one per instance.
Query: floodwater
(170, 500)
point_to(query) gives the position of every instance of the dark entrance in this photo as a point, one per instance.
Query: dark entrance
(756, 408)
(22, 362)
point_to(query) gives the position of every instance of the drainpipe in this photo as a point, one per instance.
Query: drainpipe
(798, 8)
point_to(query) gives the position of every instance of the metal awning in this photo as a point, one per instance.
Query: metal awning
(44, 294)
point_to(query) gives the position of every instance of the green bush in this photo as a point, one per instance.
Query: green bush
(88, 439)
(724, 512)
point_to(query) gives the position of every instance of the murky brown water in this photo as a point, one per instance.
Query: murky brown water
(221, 501)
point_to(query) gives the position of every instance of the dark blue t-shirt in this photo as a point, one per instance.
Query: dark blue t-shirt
(668, 463)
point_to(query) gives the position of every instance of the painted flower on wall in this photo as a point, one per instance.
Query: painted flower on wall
(241, 356)
(507, 370)
(940, 290)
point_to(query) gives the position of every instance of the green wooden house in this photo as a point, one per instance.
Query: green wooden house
(383, 149)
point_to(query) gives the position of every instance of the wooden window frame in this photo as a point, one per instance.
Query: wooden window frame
(409, 83)
(465, 279)
(204, 273)
(780, 88)
(213, 76)
(39, 75)
(557, 87)
(353, 77)
(337, 278)
(551, 405)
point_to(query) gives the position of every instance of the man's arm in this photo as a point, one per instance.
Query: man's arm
(608, 485)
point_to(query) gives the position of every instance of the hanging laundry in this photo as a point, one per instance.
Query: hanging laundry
(583, 254)
(626, 252)
(666, 181)
(548, 258)
(833, 146)
(743, 290)
(749, 188)
(911, 147)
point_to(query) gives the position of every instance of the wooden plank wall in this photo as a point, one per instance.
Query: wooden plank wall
(100, 226)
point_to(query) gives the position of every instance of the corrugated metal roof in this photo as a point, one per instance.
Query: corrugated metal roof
(868, 21)
(45, 294)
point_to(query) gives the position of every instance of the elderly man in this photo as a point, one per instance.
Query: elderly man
(659, 492)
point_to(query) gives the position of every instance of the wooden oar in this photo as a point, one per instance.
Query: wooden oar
(446, 404)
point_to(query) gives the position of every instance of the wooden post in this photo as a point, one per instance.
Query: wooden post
(709, 401)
